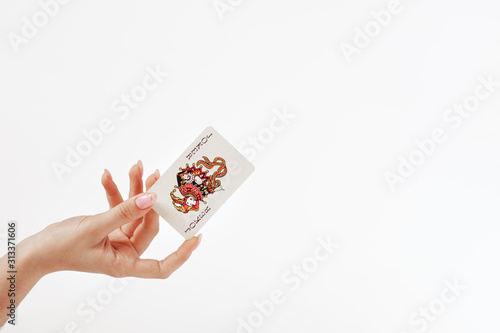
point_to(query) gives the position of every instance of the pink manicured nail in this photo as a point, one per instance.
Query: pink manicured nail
(200, 236)
(141, 167)
(146, 200)
(157, 174)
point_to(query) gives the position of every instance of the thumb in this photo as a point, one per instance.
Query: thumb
(128, 211)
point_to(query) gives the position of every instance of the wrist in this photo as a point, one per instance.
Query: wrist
(31, 261)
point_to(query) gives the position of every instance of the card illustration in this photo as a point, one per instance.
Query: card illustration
(199, 182)
(194, 184)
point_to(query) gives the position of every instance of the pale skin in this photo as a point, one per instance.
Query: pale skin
(108, 243)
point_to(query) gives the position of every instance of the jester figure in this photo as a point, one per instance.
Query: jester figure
(194, 184)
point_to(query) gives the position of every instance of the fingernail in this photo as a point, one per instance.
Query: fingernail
(146, 200)
(200, 236)
(106, 171)
(141, 167)
(157, 174)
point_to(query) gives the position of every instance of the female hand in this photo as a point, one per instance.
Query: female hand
(111, 242)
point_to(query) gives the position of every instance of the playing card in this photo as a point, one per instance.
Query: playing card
(199, 182)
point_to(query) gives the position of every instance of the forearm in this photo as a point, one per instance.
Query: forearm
(16, 283)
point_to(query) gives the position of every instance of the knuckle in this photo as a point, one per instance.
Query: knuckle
(164, 271)
(165, 274)
(153, 228)
(117, 271)
(123, 212)
(93, 232)
(91, 229)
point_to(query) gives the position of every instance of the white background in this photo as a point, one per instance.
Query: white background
(322, 175)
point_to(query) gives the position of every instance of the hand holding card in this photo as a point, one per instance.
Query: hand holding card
(199, 182)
